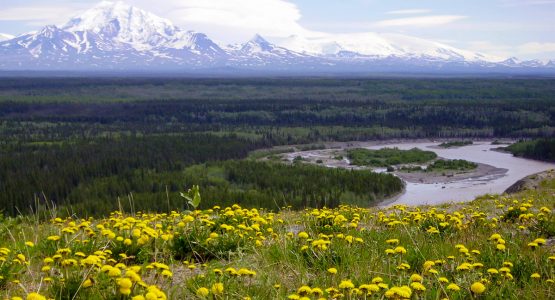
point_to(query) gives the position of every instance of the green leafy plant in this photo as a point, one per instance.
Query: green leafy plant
(193, 196)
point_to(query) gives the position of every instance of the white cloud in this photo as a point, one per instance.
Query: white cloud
(530, 50)
(513, 3)
(536, 48)
(224, 20)
(44, 15)
(502, 51)
(408, 11)
(424, 21)
(231, 20)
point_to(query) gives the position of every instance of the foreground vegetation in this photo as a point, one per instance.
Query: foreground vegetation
(497, 247)
(540, 149)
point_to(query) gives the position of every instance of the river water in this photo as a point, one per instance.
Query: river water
(468, 189)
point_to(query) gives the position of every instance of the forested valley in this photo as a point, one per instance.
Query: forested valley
(97, 144)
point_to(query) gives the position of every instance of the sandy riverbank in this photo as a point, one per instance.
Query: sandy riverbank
(451, 176)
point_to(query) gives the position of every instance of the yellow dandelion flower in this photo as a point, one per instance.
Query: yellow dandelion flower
(377, 280)
(35, 296)
(88, 283)
(493, 271)
(125, 285)
(317, 292)
(403, 292)
(416, 278)
(392, 242)
(400, 250)
(540, 241)
(533, 245)
(114, 272)
(202, 292)
(478, 288)
(217, 288)
(346, 284)
(417, 286)
(167, 274)
(304, 290)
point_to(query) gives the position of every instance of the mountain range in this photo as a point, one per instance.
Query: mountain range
(113, 36)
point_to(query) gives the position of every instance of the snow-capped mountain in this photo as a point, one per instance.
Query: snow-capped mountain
(381, 46)
(123, 24)
(260, 52)
(117, 36)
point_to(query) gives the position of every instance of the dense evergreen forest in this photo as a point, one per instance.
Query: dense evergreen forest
(274, 185)
(541, 149)
(281, 110)
(83, 143)
(51, 172)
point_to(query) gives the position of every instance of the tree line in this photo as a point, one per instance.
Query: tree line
(540, 149)
(32, 173)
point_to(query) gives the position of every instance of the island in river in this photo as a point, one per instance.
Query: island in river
(496, 171)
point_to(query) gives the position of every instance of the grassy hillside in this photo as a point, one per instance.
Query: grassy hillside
(497, 247)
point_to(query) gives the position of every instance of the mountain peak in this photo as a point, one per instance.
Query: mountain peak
(257, 38)
(49, 31)
(511, 61)
(257, 44)
(123, 23)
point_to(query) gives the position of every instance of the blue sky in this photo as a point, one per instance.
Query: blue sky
(522, 28)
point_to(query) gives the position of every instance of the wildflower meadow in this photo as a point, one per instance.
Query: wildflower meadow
(496, 247)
